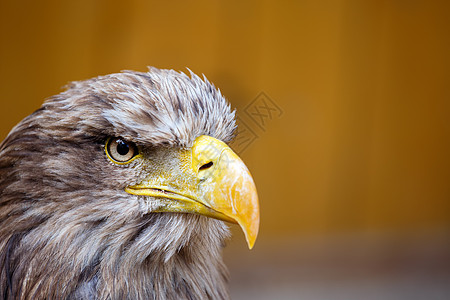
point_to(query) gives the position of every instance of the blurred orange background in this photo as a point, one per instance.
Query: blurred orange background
(351, 148)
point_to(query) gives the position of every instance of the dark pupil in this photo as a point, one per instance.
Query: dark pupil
(122, 148)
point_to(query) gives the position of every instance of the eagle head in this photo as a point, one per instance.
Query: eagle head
(117, 188)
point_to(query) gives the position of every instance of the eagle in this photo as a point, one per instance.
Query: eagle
(121, 187)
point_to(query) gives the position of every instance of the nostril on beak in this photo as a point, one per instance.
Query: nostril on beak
(206, 166)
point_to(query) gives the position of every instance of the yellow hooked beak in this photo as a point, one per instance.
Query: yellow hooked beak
(215, 183)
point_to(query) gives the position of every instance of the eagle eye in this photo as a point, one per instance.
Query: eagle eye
(121, 151)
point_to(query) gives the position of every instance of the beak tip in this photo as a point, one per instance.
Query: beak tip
(250, 232)
(250, 241)
(250, 245)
